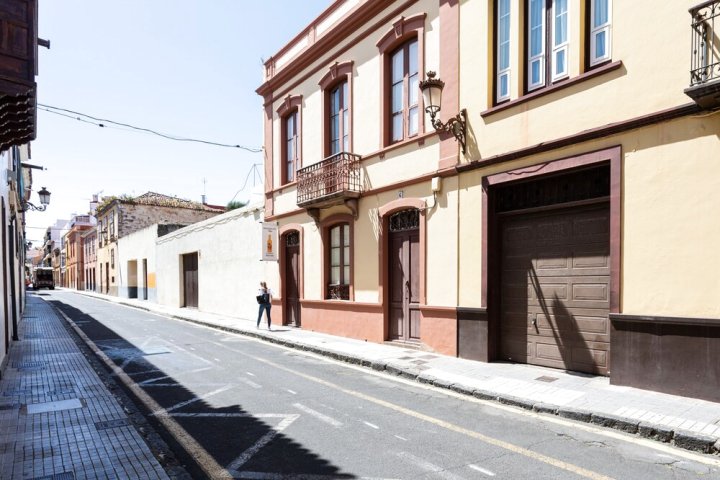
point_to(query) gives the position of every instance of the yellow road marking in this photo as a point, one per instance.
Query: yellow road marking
(443, 424)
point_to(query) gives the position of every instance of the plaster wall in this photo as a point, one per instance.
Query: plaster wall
(132, 250)
(670, 191)
(229, 269)
(670, 228)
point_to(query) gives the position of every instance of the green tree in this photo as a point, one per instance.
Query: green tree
(232, 205)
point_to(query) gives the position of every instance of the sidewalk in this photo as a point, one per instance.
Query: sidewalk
(685, 422)
(58, 418)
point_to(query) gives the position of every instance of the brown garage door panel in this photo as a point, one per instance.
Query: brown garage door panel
(555, 270)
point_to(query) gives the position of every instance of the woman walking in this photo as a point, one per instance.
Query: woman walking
(264, 298)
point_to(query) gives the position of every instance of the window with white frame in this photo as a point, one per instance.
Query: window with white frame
(559, 39)
(600, 23)
(502, 28)
(546, 54)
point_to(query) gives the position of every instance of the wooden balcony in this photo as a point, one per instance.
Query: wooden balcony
(333, 181)
(704, 86)
(18, 59)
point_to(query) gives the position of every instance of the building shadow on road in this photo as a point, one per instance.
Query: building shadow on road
(245, 445)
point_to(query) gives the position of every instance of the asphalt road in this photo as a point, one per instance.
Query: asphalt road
(238, 407)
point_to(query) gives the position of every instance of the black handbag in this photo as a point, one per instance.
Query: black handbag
(264, 298)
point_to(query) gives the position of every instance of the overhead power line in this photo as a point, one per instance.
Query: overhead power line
(101, 122)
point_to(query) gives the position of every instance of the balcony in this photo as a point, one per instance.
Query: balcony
(333, 181)
(704, 86)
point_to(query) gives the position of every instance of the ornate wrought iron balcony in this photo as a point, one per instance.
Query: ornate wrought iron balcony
(705, 54)
(331, 181)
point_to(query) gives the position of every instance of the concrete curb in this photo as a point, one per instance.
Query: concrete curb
(680, 438)
(684, 439)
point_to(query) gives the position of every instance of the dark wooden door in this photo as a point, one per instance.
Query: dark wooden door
(404, 299)
(555, 286)
(145, 279)
(292, 279)
(190, 279)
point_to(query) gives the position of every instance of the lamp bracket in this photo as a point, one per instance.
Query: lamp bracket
(456, 125)
(29, 206)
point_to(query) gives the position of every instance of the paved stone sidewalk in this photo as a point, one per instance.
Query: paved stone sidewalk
(58, 420)
(685, 422)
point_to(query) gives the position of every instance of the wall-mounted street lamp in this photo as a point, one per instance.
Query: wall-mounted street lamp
(432, 95)
(44, 201)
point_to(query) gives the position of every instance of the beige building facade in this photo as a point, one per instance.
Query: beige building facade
(571, 227)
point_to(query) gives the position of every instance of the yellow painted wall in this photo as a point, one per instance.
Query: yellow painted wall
(442, 244)
(648, 59)
(670, 212)
(671, 220)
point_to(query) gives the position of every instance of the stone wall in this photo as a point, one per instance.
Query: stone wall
(136, 217)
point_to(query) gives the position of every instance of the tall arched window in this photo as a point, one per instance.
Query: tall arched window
(403, 51)
(337, 100)
(290, 114)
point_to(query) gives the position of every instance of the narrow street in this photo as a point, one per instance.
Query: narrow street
(232, 406)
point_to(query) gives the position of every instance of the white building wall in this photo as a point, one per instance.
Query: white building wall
(229, 266)
(4, 267)
(132, 250)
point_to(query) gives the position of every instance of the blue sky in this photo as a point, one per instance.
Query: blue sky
(184, 67)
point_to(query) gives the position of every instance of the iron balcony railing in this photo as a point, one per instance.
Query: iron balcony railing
(705, 53)
(335, 178)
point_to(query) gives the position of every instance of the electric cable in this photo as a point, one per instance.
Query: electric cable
(100, 122)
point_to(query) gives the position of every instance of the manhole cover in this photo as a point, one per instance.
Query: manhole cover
(546, 379)
(33, 336)
(120, 422)
(27, 365)
(57, 476)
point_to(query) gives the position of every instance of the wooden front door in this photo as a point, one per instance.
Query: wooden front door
(404, 278)
(292, 279)
(190, 279)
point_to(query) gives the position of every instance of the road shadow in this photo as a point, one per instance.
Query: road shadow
(247, 445)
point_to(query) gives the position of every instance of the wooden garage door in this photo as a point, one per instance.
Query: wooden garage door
(555, 287)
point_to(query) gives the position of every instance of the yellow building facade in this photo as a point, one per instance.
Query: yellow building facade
(573, 226)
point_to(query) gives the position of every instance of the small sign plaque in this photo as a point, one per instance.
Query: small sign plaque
(269, 242)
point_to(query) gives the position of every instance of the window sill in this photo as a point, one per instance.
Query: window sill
(286, 185)
(595, 72)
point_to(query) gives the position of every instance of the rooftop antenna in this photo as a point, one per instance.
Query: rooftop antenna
(204, 195)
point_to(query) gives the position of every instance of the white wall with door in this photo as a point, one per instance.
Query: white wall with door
(228, 267)
(135, 262)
